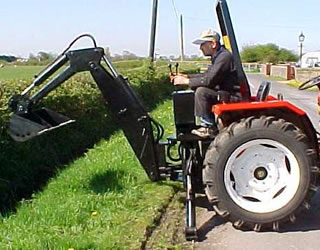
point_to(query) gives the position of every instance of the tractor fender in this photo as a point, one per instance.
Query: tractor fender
(227, 113)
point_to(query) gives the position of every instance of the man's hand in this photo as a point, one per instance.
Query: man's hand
(179, 79)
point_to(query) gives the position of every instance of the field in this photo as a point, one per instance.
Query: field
(81, 186)
(18, 72)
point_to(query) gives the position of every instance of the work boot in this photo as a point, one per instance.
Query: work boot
(205, 132)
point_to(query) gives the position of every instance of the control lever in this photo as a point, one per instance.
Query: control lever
(176, 87)
(170, 68)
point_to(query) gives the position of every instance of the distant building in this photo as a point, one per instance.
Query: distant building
(310, 59)
(23, 60)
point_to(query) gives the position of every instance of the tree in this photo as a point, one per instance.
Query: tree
(287, 56)
(107, 52)
(117, 57)
(32, 57)
(249, 54)
(8, 58)
(171, 57)
(41, 58)
(268, 53)
(44, 56)
(127, 55)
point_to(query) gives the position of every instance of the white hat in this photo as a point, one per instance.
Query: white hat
(207, 36)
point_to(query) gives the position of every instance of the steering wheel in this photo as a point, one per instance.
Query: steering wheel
(310, 83)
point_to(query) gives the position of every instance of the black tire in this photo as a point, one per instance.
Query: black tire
(235, 189)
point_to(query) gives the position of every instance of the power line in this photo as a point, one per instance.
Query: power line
(175, 10)
(181, 29)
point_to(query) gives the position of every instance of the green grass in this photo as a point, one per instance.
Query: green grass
(102, 200)
(252, 70)
(81, 186)
(10, 72)
(296, 84)
(293, 83)
(19, 72)
(276, 78)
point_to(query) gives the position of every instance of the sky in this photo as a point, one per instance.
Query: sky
(42, 25)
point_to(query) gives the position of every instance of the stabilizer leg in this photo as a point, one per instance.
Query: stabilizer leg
(188, 162)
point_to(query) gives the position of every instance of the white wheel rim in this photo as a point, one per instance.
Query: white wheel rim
(262, 176)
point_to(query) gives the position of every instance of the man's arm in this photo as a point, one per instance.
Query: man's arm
(214, 74)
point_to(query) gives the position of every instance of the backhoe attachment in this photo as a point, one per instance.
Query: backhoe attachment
(126, 108)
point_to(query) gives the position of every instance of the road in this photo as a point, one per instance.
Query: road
(304, 234)
(306, 100)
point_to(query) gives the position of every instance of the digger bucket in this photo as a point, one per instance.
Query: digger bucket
(23, 127)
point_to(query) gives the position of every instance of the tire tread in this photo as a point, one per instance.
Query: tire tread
(226, 136)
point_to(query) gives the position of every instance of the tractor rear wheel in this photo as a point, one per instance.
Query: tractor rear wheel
(260, 172)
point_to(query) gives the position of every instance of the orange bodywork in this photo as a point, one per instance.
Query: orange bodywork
(271, 102)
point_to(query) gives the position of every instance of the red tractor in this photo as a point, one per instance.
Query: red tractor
(261, 170)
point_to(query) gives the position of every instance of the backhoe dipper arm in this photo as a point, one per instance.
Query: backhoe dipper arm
(124, 105)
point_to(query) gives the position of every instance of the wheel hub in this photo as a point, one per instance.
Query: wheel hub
(260, 173)
(264, 177)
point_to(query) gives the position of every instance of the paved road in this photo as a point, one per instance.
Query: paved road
(305, 234)
(306, 100)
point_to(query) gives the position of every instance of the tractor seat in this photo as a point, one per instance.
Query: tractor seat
(226, 97)
(263, 91)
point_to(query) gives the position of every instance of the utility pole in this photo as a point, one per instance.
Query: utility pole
(181, 39)
(153, 29)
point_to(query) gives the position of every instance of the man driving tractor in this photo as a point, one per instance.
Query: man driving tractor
(215, 85)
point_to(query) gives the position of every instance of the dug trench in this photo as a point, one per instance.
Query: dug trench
(168, 229)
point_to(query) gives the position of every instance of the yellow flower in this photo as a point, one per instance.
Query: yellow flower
(95, 213)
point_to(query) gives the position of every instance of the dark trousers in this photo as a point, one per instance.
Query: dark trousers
(203, 100)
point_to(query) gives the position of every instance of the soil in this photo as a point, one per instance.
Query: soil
(169, 231)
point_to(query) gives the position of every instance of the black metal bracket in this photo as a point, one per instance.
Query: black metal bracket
(123, 103)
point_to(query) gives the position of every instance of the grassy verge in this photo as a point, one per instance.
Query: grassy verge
(252, 71)
(296, 84)
(101, 201)
(276, 78)
(81, 186)
(293, 83)
(26, 168)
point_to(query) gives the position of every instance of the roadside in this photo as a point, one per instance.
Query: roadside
(292, 83)
(169, 233)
